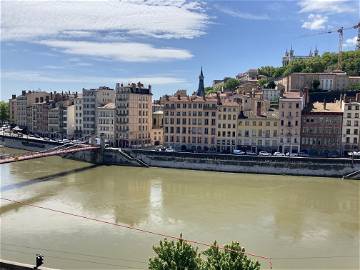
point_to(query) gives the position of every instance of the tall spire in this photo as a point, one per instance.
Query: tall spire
(201, 88)
(316, 52)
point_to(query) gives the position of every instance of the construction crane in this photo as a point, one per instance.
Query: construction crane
(341, 41)
(340, 31)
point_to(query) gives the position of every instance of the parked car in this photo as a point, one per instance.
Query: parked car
(250, 153)
(278, 154)
(264, 153)
(169, 150)
(292, 154)
(238, 152)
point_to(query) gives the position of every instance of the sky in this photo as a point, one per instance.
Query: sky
(69, 45)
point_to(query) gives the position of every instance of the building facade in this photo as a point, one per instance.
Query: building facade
(157, 129)
(290, 107)
(227, 115)
(190, 123)
(78, 102)
(321, 126)
(350, 126)
(258, 132)
(133, 109)
(105, 117)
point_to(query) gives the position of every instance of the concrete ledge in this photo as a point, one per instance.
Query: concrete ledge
(10, 265)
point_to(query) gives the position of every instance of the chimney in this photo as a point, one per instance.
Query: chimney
(13, 96)
(23, 92)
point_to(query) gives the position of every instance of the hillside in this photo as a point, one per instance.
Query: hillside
(324, 63)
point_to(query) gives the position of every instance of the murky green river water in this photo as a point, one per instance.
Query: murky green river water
(301, 222)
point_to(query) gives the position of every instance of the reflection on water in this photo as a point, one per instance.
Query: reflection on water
(278, 216)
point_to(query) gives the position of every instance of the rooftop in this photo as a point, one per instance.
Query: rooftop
(325, 107)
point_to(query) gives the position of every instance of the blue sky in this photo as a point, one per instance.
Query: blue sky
(68, 45)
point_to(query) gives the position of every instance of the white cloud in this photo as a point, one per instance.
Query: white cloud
(350, 42)
(120, 51)
(28, 20)
(41, 77)
(241, 15)
(328, 6)
(315, 22)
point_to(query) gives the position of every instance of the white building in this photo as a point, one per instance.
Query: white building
(105, 116)
(70, 121)
(350, 128)
(271, 94)
(92, 99)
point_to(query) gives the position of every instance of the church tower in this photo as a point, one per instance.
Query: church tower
(201, 89)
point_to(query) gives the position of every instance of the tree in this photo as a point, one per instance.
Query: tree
(231, 84)
(4, 111)
(271, 85)
(209, 90)
(232, 257)
(175, 256)
(262, 82)
(181, 256)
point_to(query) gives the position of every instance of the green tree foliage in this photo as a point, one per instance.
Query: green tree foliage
(175, 256)
(209, 90)
(233, 257)
(231, 84)
(315, 84)
(4, 111)
(181, 256)
(263, 82)
(325, 63)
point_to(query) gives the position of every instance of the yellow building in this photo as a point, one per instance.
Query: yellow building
(257, 132)
(227, 117)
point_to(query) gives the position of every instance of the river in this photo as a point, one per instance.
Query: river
(301, 222)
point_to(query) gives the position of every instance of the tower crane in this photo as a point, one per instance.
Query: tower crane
(340, 31)
(341, 41)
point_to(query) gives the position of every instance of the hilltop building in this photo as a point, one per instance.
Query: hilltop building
(290, 56)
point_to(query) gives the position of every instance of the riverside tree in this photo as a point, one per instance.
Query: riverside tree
(180, 255)
(4, 111)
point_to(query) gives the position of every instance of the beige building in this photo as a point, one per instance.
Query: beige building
(328, 81)
(105, 117)
(38, 118)
(69, 121)
(78, 102)
(290, 107)
(350, 126)
(133, 108)
(190, 122)
(157, 129)
(258, 132)
(227, 115)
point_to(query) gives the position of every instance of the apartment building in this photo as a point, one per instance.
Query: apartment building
(157, 125)
(290, 107)
(92, 99)
(350, 125)
(38, 118)
(105, 117)
(227, 115)
(321, 126)
(258, 132)
(133, 109)
(78, 102)
(190, 122)
(69, 120)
